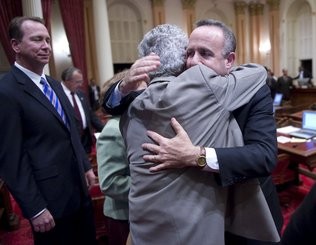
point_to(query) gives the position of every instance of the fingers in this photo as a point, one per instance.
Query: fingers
(44, 222)
(176, 126)
(158, 168)
(43, 227)
(144, 66)
(155, 137)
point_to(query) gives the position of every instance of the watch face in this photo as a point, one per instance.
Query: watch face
(201, 161)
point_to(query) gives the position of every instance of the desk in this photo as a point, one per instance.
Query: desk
(303, 96)
(304, 153)
(296, 116)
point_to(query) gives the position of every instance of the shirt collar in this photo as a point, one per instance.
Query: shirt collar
(33, 76)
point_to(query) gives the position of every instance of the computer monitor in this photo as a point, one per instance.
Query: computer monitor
(277, 101)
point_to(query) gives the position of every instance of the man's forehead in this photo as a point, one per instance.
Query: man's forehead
(33, 27)
(205, 32)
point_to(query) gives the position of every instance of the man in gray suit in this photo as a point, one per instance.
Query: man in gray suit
(200, 211)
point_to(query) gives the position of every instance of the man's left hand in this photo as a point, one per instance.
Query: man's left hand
(91, 178)
(177, 152)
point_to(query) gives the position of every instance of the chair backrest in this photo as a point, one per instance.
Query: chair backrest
(282, 173)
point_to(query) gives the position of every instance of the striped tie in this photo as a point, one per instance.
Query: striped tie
(52, 97)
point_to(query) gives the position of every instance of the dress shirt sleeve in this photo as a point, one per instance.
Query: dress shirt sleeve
(38, 214)
(211, 159)
(115, 97)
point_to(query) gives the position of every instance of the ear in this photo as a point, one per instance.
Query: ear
(230, 60)
(15, 45)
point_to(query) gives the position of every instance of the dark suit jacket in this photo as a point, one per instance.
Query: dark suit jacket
(41, 160)
(301, 228)
(93, 122)
(260, 140)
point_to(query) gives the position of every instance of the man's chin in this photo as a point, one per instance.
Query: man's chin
(44, 61)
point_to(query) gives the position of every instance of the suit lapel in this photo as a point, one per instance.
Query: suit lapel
(30, 88)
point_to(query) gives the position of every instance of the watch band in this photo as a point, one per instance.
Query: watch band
(202, 151)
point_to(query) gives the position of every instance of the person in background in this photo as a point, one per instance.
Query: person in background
(303, 73)
(271, 82)
(114, 175)
(285, 84)
(42, 160)
(86, 119)
(257, 158)
(94, 95)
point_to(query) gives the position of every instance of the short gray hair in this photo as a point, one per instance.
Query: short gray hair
(169, 42)
(66, 75)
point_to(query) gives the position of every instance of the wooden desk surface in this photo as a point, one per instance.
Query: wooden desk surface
(303, 96)
(297, 115)
(303, 149)
(302, 152)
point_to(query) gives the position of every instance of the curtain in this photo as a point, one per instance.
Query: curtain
(8, 10)
(72, 13)
(47, 10)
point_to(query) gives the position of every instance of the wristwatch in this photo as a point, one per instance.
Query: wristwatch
(201, 160)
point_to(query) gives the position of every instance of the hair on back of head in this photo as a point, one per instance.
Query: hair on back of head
(169, 42)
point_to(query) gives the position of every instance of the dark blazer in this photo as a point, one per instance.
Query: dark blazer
(301, 228)
(93, 122)
(259, 140)
(41, 160)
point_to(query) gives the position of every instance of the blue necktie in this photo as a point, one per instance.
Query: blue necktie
(52, 97)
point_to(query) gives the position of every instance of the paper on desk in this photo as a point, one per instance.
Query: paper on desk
(297, 140)
(283, 139)
(287, 129)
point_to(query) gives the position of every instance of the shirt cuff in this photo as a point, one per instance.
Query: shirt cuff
(115, 97)
(211, 159)
(38, 214)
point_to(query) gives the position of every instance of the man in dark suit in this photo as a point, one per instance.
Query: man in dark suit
(304, 74)
(284, 85)
(87, 121)
(94, 95)
(257, 158)
(42, 160)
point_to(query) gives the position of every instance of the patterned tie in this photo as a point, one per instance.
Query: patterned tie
(52, 97)
(77, 111)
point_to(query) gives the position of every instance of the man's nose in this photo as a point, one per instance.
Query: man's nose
(194, 60)
(46, 45)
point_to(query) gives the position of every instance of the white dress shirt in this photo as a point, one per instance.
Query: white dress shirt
(69, 96)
